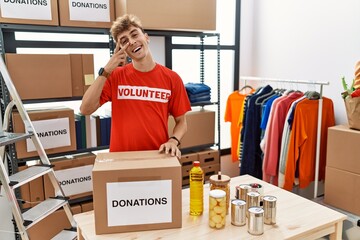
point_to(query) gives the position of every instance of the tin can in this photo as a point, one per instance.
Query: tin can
(221, 182)
(269, 210)
(256, 221)
(256, 187)
(217, 209)
(238, 212)
(242, 190)
(237, 192)
(252, 200)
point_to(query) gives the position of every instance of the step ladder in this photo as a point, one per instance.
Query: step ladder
(29, 218)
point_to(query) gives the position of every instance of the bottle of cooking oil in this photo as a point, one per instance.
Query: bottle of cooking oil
(196, 189)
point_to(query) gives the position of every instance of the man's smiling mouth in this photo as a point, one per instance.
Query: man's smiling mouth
(136, 49)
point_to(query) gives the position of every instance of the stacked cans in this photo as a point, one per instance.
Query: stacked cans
(248, 205)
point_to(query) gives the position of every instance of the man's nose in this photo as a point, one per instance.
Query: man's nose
(132, 41)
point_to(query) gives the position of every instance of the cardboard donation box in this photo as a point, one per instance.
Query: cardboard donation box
(95, 14)
(74, 174)
(54, 127)
(188, 15)
(43, 12)
(136, 191)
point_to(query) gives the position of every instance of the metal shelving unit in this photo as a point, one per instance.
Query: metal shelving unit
(9, 44)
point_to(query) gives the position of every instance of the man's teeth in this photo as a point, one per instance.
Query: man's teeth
(136, 49)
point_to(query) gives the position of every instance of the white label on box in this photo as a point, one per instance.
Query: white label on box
(90, 10)
(143, 202)
(52, 133)
(75, 180)
(37, 10)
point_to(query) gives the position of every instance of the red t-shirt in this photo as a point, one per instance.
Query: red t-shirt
(141, 104)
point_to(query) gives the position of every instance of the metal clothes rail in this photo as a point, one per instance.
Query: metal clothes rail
(318, 136)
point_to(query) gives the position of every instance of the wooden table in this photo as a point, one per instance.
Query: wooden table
(297, 218)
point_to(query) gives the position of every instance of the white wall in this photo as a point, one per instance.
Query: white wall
(310, 39)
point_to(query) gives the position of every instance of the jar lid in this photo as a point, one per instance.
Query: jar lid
(217, 193)
(219, 179)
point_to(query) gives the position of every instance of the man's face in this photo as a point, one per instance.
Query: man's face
(138, 42)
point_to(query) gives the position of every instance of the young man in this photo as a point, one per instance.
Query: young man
(143, 94)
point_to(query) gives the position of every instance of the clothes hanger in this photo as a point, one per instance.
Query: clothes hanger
(245, 87)
(242, 90)
(260, 100)
(276, 92)
(312, 95)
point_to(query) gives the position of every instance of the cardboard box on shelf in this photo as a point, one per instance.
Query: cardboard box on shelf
(199, 15)
(135, 191)
(88, 70)
(342, 149)
(55, 128)
(198, 133)
(342, 190)
(74, 174)
(52, 224)
(83, 14)
(187, 160)
(82, 73)
(210, 170)
(209, 157)
(87, 206)
(36, 188)
(44, 13)
(40, 76)
(76, 75)
(25, 191)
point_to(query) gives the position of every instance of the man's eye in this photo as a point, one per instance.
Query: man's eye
(123, 42)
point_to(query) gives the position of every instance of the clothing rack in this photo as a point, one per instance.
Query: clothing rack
(318, 135)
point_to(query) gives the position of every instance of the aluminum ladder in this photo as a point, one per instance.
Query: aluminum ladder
(29, 218)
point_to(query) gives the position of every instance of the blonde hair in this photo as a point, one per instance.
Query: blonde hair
(123, 23)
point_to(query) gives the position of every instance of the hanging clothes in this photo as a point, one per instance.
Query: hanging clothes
(251, 153)
(266, 105)
(234, 115)
(242, 130)
(301, 155)
(267, 114)
(285, 143)
(274, 136)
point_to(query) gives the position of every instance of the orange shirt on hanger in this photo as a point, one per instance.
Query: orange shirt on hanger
(301, 155)
(234, 115)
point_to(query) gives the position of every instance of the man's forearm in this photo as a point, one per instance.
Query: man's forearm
(91, 99)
